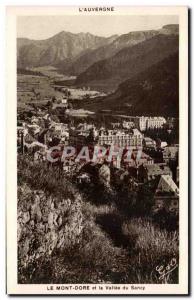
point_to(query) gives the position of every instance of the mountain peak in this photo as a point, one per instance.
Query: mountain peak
(61, 34)
(58, 48)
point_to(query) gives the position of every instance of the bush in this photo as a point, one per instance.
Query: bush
(152, 247)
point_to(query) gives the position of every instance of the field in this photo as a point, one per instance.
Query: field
(39, 90)
(34, 90)
(52, 73)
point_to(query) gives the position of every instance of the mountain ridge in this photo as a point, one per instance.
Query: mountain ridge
(155, 91)
(62, 46)
(129, 61)
(74, 52)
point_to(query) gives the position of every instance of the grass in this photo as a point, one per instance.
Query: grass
(110, 247)
(153, 247)
(28, 86)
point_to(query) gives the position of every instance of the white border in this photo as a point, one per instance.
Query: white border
(12, 12)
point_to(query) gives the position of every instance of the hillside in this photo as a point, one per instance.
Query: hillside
(129, 61)
(86, 234)
(81, 62)
(63, 46)
(106, 51)
(118, 42)
(154, 91)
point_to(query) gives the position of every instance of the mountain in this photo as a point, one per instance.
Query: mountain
(129, 61)
(60, 48)
(155, 91)
(74, 53)
(108, 50)
(86, 58)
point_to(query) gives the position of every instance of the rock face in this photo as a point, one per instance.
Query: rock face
(45, 224)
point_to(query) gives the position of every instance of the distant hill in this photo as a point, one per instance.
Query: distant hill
(129, 61)
(74, 53)
(125, 40)
(108, 50)
(155, 91)
(59, 48)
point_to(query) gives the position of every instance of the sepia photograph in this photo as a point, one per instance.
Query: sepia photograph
(98, 193)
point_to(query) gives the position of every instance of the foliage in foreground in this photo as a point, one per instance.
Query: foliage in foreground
(64, 238)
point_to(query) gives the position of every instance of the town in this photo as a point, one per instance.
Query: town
(98, 152)
(149, 140)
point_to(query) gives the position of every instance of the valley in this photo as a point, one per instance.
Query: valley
(98, 157)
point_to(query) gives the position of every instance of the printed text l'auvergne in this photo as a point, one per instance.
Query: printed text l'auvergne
(97, 9)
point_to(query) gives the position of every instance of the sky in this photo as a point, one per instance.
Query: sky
(43, 27)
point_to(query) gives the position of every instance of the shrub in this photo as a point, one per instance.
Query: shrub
(152, 247)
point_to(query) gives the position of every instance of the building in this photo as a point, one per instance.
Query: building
(83, 127)
(153, 171)
(83, 178)
(170, 153)
(69, 165)
(77, 138)
(171, 122)
(128, 124)
(64, 100)
(155, 122)
(166, 195)
(60, 105)
(116, 162)
(151, 122)
(149, 143)
(142, 123)
(122, 138)
(79, 113)
(115, 125)
(61, 129)
(60, 126)
(138, 159)
(132, 138)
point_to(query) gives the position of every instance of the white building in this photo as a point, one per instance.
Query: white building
(151, 122)
(64, 101)
(155, 122)
(133, 138)
(128, 124)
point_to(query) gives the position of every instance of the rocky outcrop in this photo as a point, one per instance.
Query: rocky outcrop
(46, 224)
